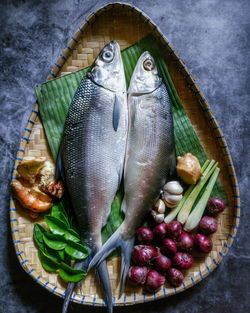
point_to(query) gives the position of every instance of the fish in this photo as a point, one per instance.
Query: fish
(92, 154)
(150, 157)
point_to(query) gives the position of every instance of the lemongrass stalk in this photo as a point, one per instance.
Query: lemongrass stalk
(195, 216)
(184, 212)
(171, 216)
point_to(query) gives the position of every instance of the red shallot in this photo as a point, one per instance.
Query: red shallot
(208, 225)
(183, 260)
(215, 206)
(168, 247)
(160, 230)
(143, 255)
(175, 277)
(173, 230)
(185, 242)
(144, 235)
(137, 275)
(203, 243)
(154, 281)
(162, 263)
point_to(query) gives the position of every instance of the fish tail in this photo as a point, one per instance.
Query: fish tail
(115, 241)
(79, 265)
(103, 276)
(68, 294)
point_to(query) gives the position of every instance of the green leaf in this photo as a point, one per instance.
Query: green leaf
(76, 251)
(58, 212)
(116, 217)
(69, 274)
(72, 235)
(53, 254)
(55, 242)
(48, 263)
(38, 232)
(61, 254)
(59, 228)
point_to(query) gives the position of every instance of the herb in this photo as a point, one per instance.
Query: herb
(188, 204)
(69, 274)
(59, 246)
(196, 215)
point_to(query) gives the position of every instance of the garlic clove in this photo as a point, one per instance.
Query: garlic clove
(159, 218)
(172, 198)
(153, 213)
(170, 205)
(173, 187)
(160, 206)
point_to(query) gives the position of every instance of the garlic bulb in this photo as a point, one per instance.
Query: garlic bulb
(173, 187)
(172, 194)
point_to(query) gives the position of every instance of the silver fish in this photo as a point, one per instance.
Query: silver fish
(92, 153)
(150, 157)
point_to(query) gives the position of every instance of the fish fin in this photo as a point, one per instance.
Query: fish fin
(114, 242)
(123, 207)
(116, 113)
(126, 251)
(172, 164)
(79, 265)
(103, 277)
(59, 165)
(110, 245)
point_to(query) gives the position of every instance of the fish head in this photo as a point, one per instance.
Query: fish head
(107, 70)
(145, 78)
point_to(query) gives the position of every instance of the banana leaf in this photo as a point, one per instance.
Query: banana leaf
(54, 98)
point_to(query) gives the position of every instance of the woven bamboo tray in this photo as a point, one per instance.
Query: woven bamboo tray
(127, 25)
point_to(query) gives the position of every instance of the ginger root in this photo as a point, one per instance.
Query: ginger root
(188, 168)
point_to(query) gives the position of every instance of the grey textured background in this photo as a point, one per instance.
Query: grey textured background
(212, 37)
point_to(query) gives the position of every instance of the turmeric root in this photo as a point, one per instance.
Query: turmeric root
(30, 199)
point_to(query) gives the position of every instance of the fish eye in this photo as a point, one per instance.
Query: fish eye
(148, 65)
(107, 56)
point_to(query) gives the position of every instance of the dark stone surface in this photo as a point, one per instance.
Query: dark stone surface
(212, 37)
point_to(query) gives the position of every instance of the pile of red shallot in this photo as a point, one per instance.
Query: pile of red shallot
(164, 250)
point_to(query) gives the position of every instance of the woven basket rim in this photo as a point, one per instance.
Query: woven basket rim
(214, 125)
